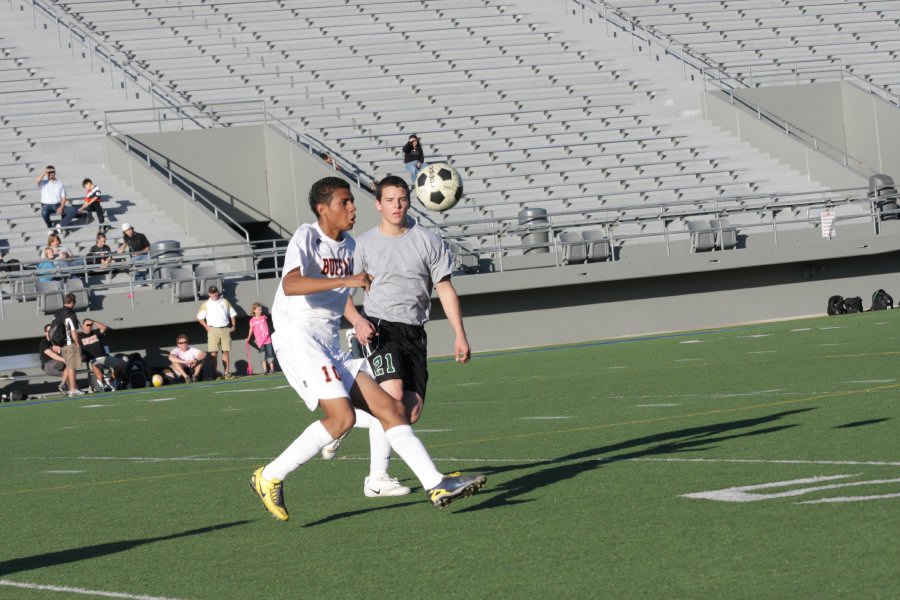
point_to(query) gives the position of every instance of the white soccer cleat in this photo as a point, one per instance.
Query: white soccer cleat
(384, 486)
(331, 450)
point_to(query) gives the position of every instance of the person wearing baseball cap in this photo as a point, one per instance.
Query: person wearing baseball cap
(138, 247)
(218, 318)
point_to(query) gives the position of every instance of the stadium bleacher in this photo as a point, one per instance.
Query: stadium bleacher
(536, 111)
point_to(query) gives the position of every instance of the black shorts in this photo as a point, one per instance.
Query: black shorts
(399, 351)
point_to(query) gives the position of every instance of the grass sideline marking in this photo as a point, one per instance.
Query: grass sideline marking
(74, 590)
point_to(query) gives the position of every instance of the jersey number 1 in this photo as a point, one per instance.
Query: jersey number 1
(327, 375)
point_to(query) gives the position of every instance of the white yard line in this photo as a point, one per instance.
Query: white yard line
(74, 590)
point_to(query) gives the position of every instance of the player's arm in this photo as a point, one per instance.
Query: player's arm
(450, 303)
(296, 284)
(365, 331)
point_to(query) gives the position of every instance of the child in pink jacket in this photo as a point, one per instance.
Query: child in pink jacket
(259, 329)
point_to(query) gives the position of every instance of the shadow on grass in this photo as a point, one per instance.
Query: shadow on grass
(691, 439)
(862, 423)
(364, 511)
(61, 557)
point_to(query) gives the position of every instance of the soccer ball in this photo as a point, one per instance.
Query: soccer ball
(157, 380)
(438, 187)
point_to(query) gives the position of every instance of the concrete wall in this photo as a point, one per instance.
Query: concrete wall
(193, 218)
(767, 138)
(257, 165)
(290, 171)
(848, 118)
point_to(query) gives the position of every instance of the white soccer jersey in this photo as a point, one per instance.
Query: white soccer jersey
(318, 256)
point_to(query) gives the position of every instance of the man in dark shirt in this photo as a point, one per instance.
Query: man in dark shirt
(71, 352)
(137, 246)
(94, 352)
(52, 362)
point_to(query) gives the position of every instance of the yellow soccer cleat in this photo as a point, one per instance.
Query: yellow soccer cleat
(270, 493)
(453, 486)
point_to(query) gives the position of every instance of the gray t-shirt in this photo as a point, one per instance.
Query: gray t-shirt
(404, 270)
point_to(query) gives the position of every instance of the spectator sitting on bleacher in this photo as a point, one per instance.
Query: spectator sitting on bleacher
(62, 254)
(52, 362)
(46, 266)
(94, 352)
(92, 203)
(138, 247)
(100, 254)
(53, 199)
(186, 360)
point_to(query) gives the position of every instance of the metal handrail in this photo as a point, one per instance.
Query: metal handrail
(164, 164)
(506, 236)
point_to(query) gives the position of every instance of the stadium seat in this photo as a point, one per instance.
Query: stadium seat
(76, 286)
(206, 276)
(703, 238)
(574, 247)
(50, 296)
(725, 233)
(598, 246)
(184, 286)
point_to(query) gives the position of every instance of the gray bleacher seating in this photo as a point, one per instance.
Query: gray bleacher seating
(184, 286)
(82, 298)
(703, 237)
(207, 275)
(573, 246)
(598, 246)
(50, 296)
(725, 233)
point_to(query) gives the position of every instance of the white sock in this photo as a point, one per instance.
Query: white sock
(311, 441)
(379, 446)
(414, 454)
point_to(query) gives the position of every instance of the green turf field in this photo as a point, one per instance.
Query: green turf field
(750, 462)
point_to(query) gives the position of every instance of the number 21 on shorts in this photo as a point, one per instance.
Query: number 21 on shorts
(328, 371)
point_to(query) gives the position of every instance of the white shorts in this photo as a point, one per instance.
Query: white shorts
(316, 369)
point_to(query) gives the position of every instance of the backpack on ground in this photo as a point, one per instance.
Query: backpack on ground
(136, 371)
(836, 305)
(881, 300)
(853, 305)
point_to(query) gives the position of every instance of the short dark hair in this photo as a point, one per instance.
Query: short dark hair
(321, 191)
(391, 181)
(86, 181)
(70, 299)
(47, 327)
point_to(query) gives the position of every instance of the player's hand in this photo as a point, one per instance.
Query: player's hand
(365, 331)
(461, 349)
(360, 280)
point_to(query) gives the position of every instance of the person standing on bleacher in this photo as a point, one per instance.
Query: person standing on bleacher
(53, 200)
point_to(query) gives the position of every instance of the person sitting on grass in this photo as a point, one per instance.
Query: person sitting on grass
(186, 361)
